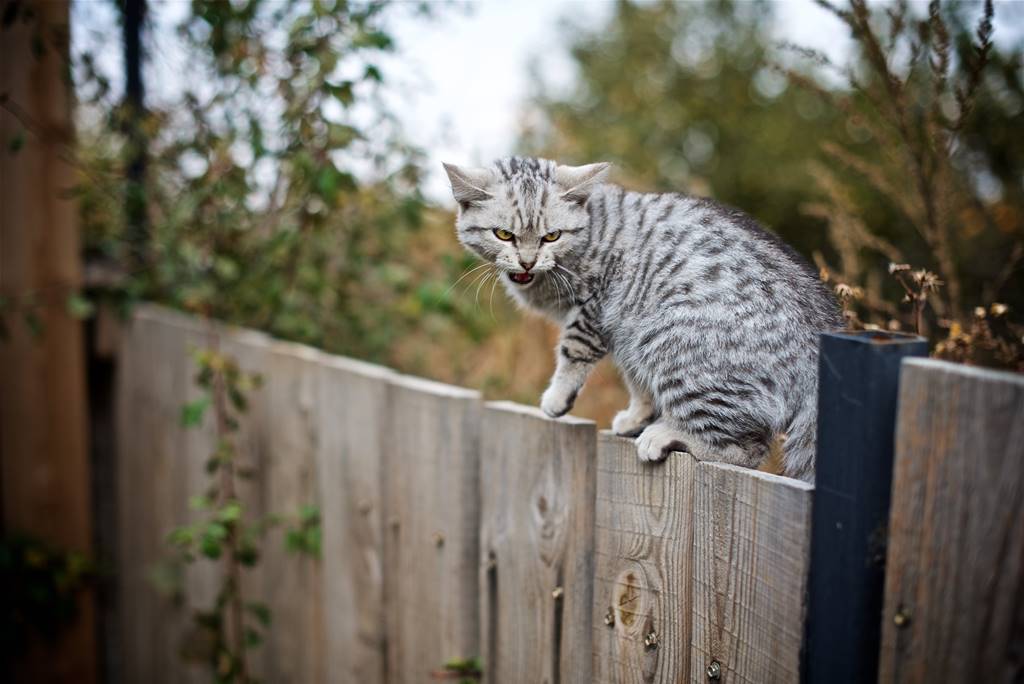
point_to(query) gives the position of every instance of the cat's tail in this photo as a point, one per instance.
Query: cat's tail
(801, 441)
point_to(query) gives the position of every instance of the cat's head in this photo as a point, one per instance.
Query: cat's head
(523, 215)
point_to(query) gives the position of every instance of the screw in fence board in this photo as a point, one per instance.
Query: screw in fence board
(857, 392)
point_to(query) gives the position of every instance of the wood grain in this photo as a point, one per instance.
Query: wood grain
(152, 481)
(642, 574)
(750, 547)
(536, 543)
(431, 536)
(45, 467)
(353, 407)
(954, 592)
(283, 434)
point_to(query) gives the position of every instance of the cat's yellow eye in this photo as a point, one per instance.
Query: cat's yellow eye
(503, 234)
(552, 236)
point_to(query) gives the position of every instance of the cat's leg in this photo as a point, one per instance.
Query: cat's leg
(640, 413)
(666, 435)
(579, 350)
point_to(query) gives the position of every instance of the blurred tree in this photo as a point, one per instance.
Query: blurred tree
(908, 151)
(279, 189)
(943, 106)
(682, 97)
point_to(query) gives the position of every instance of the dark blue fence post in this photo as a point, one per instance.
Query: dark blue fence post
(857, 391)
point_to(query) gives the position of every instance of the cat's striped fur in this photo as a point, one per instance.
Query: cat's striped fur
(712, 320)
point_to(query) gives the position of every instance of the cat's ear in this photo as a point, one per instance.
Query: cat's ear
(579, 181)
(469, 184)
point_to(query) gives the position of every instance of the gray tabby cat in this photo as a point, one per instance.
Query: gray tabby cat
(712, 321)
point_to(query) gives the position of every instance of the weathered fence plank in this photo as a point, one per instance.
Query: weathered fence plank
(353, 409)
(751, 533)
(643, 565)
(954, 610)
(153, 485)
(859, 378)
(536, 543)
(431, 542)
(281, 437)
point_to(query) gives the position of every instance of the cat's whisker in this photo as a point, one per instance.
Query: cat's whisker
(478, 278)
(452, 286)
(493, 272)
(570, 290)
(572, 273)
(491, 300)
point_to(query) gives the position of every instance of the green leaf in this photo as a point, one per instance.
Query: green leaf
(261, 611)
(80, 307)
(199, 502)
(210, 548)
(309, 513)
(34, 323)
(372, 73)
(252, 637)
(193, 411)
(216, 530)
(247, 555)
(182, 536)
(230, 512)
(17, 142)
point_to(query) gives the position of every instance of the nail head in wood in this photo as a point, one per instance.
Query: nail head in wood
(901, 618)
(714, 670)
(557, 593)
(609, 618)
(651, 640)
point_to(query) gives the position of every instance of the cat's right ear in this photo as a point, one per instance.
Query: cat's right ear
(469, 184)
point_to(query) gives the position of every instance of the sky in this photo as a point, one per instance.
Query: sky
(469, 74)
(459, 82)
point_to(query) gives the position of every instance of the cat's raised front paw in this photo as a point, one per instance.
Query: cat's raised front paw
(557, 401)
(631, 421)
(658, 440)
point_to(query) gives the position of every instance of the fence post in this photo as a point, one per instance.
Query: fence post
(857, 391)
(954, 582)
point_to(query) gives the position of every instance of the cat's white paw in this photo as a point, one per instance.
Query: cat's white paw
(557, 400)
(658, 440)
(629, 422)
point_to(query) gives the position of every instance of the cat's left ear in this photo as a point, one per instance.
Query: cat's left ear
(469, 184)
(579, 181)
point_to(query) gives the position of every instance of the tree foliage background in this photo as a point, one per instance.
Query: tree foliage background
(281, 193)
(907, 154)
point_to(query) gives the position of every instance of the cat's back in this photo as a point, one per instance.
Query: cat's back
(700, 255)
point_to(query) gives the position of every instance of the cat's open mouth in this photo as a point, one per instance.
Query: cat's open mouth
(521, 278)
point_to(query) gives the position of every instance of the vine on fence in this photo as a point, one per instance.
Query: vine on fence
(227, 532)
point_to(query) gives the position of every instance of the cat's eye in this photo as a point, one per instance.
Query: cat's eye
(552, 236)
(503, 234)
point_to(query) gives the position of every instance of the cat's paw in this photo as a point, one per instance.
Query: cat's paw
(658, 440)
(631, 421)
(557, 400)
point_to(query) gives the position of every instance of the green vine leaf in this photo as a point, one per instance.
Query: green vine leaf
(192, 413)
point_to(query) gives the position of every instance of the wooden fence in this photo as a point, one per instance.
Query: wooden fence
(455, 528)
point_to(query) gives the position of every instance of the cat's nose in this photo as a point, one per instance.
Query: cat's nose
(527, 265)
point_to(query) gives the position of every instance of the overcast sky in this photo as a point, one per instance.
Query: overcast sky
(461, 79)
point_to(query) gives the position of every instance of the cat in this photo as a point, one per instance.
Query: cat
(712, 321)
